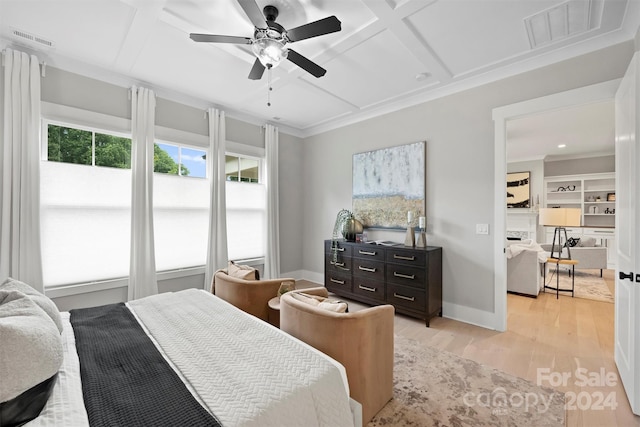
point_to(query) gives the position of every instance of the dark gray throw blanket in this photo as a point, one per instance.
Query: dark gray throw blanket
(125, 379)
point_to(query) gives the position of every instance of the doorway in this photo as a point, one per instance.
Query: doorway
(596, 93)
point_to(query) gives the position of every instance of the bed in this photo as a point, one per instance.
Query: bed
(208, 364)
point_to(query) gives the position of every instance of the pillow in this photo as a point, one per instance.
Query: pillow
(30, 356)
(587, 242)
(571, 242)
(242, 271)
(321, 302)
(40, 299)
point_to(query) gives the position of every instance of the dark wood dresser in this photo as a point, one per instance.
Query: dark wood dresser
(408, 278)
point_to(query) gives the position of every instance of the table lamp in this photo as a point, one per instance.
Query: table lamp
(560, 218)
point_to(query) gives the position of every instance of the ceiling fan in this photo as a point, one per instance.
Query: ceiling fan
(269, 42)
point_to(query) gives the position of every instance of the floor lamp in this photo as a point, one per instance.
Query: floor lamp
(560, 218)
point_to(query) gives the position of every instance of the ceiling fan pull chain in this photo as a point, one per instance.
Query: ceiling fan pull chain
(269, 89)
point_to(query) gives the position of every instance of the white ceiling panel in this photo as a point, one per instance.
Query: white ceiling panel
(391, 72)
(467, 35)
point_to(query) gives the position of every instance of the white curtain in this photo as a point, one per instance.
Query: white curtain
(217, 245)
(20, 253)
(272, 252)
(142, 271)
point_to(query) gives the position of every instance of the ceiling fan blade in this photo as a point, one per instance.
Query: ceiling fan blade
(257, 70)
(212, 38)
(313, 29)
(253, 12)
(306, 64)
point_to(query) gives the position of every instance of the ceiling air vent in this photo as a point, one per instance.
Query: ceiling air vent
(32, 39)
(559, 22)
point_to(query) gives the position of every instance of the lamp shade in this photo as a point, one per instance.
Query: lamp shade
(560, 217)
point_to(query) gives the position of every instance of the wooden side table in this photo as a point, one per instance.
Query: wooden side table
(558, 262)
(274, 311)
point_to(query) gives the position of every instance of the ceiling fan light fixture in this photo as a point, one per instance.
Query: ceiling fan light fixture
(270, 52)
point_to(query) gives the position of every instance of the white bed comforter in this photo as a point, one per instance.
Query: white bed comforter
(242, 370)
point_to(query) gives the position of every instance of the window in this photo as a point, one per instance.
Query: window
(246, 207)
(86, 147)
(242, 169)
(180, 206)
(85, 209)
(179, 160)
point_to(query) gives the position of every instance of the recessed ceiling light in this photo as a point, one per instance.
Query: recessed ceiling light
(276, 118)
(562, 145)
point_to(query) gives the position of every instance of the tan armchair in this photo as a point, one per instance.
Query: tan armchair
(251, 296)
(361, 341)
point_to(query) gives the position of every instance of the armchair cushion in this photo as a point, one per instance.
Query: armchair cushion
(321, 302)
(362, 341)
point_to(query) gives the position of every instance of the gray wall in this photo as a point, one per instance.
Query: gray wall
(580, 166)
(460, 163)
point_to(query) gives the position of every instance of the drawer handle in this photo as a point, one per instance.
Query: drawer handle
(404, 276)
(361, 252)
(370, 270)
(403, 297)
(406, 258)
(339, 282)
(366, 288)
(339, 265)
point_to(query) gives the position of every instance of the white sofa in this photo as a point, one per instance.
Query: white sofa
(523, 269)
(588, 257)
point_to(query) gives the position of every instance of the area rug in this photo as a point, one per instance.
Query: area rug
(437, 388)
(588, 284)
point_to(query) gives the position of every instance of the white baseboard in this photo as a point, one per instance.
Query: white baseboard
(473, 316)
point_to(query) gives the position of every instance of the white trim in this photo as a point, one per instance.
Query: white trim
(463, 313)
(600, 92)
(85, 288)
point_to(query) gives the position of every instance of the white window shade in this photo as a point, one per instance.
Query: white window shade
(85, 223)
(181, 221)
(246, 218)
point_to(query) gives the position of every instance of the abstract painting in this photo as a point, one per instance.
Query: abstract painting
(388, 183)
(518, 190)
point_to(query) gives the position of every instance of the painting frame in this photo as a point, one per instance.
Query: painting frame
(388, 183)
(519, 190)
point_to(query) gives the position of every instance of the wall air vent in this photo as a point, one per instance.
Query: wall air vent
(32, 39)
(559, 22)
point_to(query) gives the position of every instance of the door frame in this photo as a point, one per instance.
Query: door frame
(600, 92)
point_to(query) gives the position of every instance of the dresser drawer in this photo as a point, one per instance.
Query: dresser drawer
(406, 276)
(406, 257)
(343, 249)
(341, 266)
(370, 252)
(367, 269)
(337, 283)
(411, 298)
(371, 289)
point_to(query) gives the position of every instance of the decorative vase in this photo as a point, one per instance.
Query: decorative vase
(422, 239)
(351, 228)
(285, 287)
(409, 239)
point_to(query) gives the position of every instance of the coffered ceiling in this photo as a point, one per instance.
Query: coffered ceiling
(389, 54)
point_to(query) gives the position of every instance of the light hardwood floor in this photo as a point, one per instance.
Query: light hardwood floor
(561, 335)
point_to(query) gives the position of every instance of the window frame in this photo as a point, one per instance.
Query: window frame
(189, 146)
